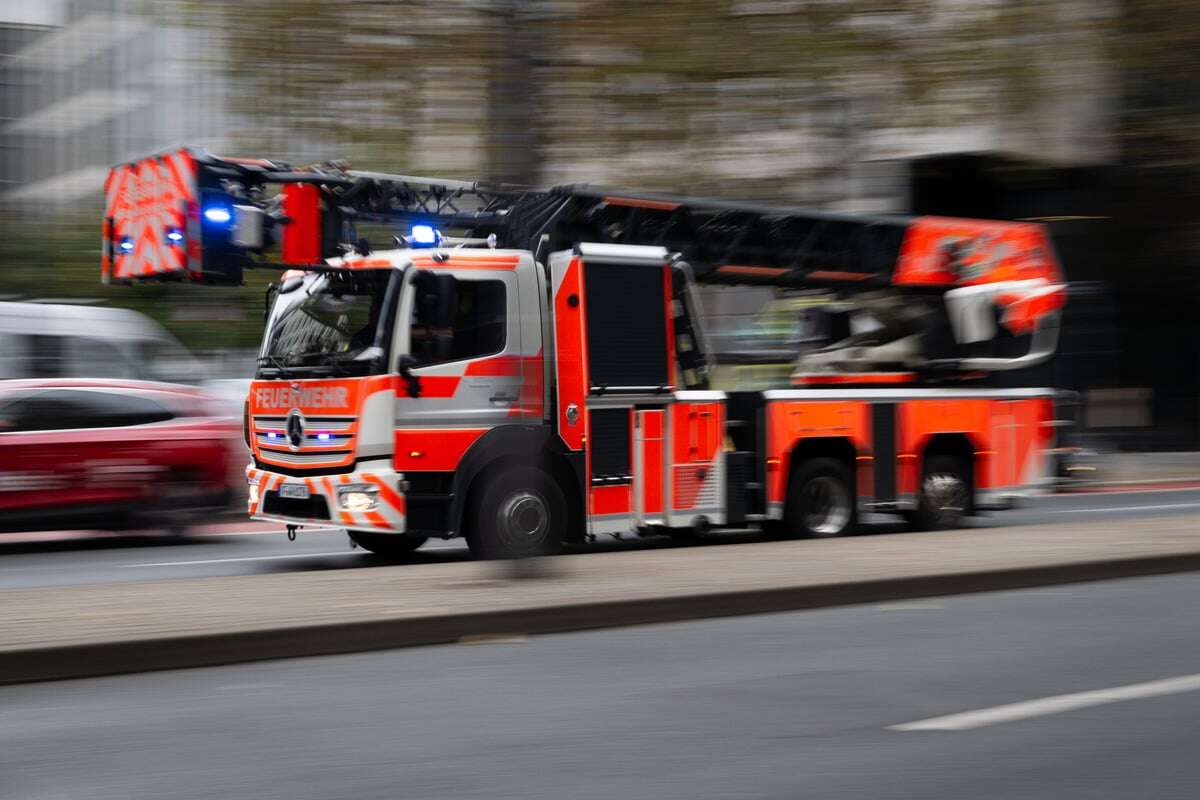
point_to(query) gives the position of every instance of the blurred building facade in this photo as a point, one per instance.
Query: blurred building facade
(1008, 108)
(106, 81)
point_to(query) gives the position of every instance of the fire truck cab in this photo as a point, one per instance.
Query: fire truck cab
(525, 398)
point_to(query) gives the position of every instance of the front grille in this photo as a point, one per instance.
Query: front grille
(280, 440)
(302, 458)
(313, 507)
(302, 472)
(334, 451)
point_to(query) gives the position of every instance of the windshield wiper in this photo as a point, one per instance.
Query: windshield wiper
(321, 361)
(276, 363)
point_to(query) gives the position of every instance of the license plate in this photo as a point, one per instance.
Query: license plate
(296, 491)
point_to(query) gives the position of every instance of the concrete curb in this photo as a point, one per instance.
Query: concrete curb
(212, 649)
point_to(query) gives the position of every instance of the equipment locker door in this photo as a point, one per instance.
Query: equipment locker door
(1004, 445)
(613, 351)
(696, 487)
(649, 467)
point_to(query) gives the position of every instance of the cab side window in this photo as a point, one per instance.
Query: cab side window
(478, 328)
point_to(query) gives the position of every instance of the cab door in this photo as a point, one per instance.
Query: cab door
(471, 381)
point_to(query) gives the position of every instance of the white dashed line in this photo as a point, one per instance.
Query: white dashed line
(1102, 509)
(1057, 704)
(245, 558)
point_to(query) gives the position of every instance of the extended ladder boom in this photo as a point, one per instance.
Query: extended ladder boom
(192, 214)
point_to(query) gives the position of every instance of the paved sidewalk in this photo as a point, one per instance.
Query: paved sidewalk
(110, 628)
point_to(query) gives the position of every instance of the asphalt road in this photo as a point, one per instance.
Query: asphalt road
(775, 706)
(32, 561)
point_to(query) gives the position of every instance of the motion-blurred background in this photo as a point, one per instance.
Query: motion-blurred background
(1080, 113)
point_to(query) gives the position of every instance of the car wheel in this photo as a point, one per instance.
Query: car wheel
(820, 501)
(180, 503)
(520, 512)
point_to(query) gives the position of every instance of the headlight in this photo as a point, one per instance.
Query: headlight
(254, 494)
(358, 498)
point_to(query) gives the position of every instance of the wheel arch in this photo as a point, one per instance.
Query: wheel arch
(840, 448)
(507, 446)
(956, 445)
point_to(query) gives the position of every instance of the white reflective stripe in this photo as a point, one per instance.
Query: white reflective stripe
(623, 252)
(610, 523)
(904, 394)
(699, 394)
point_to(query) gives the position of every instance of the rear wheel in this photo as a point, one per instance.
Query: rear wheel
(181, 503)
(820, 502)
(388, 545)
(520, 512)
(945, 494)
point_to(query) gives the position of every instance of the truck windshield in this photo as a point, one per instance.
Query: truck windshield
(330, 323)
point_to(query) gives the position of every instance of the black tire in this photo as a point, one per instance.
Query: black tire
(821, 503)
(518, 513)
(180, 503)
(945, 497)
(388, 545)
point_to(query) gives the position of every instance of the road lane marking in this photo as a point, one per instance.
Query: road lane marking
(1101, 509)
(272, 532)
(245, 558)
(1056, 704)
(427, 548)
(34, 537)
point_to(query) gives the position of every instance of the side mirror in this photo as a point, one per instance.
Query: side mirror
(271, 290)
(412, 382)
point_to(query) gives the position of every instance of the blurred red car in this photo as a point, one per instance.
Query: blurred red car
(110, 455)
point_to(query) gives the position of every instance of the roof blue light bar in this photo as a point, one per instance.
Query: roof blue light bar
(424, 236)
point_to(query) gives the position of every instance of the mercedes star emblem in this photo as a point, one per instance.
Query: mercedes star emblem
(295, 429)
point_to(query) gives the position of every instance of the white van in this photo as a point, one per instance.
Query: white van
(45, 340)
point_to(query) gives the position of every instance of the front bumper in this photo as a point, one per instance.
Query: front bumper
(323, 506)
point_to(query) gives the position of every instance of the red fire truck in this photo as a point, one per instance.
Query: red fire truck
(527, 368)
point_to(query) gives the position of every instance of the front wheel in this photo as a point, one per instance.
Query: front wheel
(820, 501)
(945, 495)
(388, 545)
(521, 512)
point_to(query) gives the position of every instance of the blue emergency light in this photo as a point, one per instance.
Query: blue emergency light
(218, 214)
(126, 244)
(424, 236)
(175, 236)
